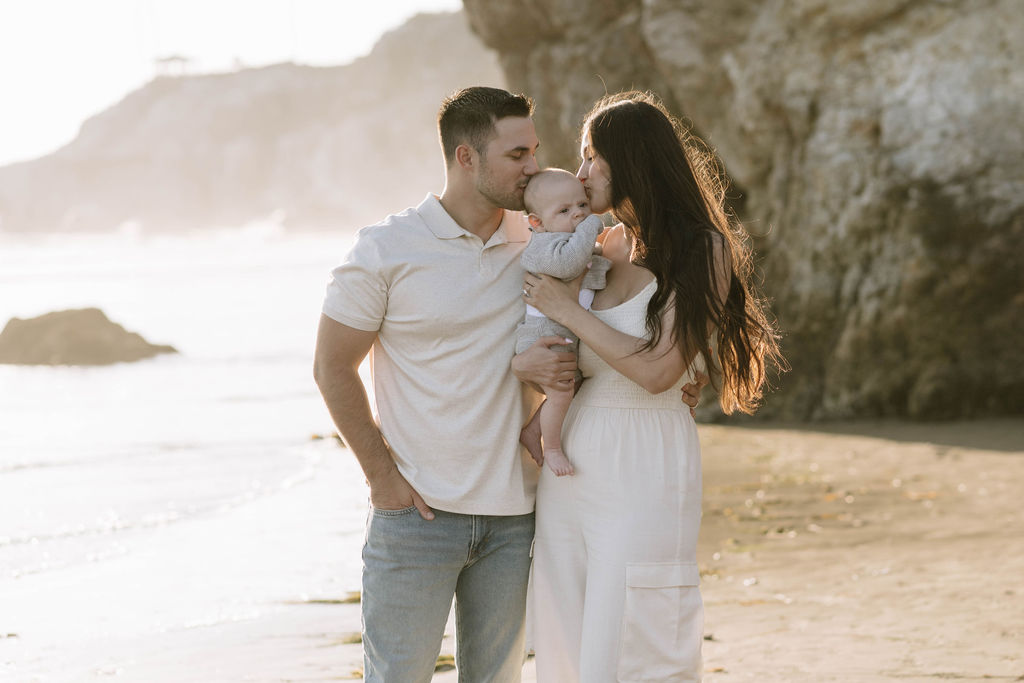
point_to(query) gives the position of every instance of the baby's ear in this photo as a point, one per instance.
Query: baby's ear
(534, 219)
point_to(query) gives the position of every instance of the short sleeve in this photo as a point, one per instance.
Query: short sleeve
(357, 291)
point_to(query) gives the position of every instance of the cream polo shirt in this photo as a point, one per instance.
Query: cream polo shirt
(445, 308)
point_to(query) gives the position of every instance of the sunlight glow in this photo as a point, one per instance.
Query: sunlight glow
(62, 61)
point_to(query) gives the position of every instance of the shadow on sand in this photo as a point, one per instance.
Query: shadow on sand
(994, 434)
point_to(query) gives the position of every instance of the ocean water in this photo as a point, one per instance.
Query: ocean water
(143, 500)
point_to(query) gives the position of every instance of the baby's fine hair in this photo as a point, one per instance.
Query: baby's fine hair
(538, 179)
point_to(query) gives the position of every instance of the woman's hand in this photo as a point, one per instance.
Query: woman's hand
(552, 297)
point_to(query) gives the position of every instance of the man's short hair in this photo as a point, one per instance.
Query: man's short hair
(468, 116)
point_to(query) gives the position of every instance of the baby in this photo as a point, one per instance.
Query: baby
(562, 245)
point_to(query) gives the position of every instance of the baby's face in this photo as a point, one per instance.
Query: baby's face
(563, 205)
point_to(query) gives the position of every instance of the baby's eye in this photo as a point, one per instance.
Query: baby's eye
(565, 210)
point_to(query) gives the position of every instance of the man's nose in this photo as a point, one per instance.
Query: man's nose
(532, 168)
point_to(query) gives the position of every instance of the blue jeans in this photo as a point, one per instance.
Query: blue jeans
(413, 568)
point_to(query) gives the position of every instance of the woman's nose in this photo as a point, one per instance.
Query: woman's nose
(582, 173)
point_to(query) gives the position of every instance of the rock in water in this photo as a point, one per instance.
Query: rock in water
(82, 336)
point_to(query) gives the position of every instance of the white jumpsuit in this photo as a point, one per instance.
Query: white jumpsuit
(615, 594)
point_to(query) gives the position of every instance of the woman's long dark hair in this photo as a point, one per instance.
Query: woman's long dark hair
(668, 191)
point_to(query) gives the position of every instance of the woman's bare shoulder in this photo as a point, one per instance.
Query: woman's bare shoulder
(613, 239)
(607, 232)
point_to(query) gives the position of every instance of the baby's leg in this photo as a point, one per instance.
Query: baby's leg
(529, 436)
(552, 415)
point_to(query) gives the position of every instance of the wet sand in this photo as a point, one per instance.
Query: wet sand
(843, 552)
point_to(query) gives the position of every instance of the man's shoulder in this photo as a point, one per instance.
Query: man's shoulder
(393, 225)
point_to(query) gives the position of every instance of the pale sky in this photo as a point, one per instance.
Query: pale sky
(61, 61)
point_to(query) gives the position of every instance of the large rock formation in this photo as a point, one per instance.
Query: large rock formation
(878, 155)
(82, 336)
(332, 147)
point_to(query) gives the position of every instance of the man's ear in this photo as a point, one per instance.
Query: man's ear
(534, 219)
(465, 155)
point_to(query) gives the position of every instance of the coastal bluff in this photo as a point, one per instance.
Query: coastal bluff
(304, 147)
(876, 156)
(83, 336)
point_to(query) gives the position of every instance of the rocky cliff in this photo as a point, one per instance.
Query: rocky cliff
(311, 147)
(877, 155)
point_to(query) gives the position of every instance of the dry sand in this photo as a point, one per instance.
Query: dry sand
(846, 552)
(864, 552)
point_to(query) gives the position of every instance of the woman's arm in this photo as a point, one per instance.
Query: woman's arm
(722, 263)
(656, 369)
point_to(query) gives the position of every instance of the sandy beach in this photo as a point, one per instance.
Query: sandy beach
(864, 552)
(841, 552)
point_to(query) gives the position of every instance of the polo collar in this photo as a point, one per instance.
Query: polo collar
(437, 219)
(514, 227)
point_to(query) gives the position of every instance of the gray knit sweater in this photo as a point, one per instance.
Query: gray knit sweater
(566, 254)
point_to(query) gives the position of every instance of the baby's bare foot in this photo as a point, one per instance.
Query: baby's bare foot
(557, 461)
(530, 437)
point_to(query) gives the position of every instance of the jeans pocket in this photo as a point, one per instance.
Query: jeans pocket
(662, 623)
(393, 513)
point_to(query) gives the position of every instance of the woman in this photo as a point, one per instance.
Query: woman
(616, 594)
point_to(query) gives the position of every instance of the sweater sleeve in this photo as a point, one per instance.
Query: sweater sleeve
(562, 254)
(597, 274)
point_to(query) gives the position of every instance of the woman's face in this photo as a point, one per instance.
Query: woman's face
(597, 181)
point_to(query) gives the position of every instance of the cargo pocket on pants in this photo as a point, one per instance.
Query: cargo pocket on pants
(662, 623)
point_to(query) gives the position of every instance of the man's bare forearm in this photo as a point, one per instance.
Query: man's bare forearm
(520, 371)
(339, 351)
(540, 366)
(346, 400)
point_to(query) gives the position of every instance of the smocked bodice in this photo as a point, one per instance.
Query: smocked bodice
(604, 386)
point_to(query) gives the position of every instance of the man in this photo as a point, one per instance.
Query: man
(435, 292)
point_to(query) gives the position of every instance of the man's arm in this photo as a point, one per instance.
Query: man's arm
(691, 391)
(339, 351)
(540, 365)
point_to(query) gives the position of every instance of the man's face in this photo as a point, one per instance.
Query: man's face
(564, 204)
(507, 162)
